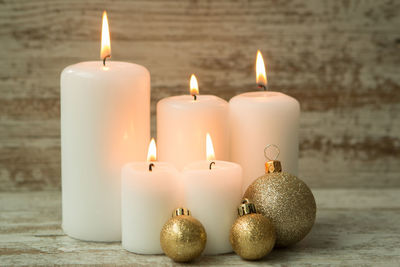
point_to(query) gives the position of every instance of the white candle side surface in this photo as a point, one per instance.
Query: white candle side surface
(258, 119)
(182, 124)
(148, 200)
(105, 122)
(213, 196)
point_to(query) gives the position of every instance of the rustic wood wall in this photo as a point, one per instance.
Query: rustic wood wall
(340, 59)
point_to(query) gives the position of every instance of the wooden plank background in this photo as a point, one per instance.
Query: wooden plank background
(340, 59)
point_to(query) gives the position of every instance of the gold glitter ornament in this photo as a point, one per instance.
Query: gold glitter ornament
(252, 235)
(183, 238)
(286, 200)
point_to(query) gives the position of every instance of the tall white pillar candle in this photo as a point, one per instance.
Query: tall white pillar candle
(212, 195)
(258, 119)
(182, 123)
(105, 122)
(149, 196)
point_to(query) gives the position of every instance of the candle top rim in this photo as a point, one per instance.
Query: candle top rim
(81, 68)
(263, 97)
(203, 165)
(143, 166)
(262, 94)
(188, 100)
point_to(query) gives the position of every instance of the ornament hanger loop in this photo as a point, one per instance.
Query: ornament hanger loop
(276, 149)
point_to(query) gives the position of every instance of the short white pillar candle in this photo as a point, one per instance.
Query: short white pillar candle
(150, 193)
(213, 189)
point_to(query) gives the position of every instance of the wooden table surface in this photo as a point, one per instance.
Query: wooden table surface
(353, 227)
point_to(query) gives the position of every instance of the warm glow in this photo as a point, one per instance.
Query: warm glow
(260, 70)
(152, 152)
(105, 38)
(209, 148)
(194, 86)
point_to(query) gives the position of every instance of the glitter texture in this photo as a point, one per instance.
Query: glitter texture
(252, 236)
(288, 202)
(183, 238)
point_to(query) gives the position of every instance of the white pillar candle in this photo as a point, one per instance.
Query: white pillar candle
(212, 195)
(105, 122)
(149, 196)
(261, 118)
(182, 123)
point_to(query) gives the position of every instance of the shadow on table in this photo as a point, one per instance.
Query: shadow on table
(321, 238)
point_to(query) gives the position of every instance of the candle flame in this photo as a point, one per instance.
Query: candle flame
(105, 38)
(209, 148)
(260, 70)
(194, 86)
(152, 151)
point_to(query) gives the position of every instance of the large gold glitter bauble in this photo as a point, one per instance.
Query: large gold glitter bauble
(286, 200)
(252, 235)
(183, 238)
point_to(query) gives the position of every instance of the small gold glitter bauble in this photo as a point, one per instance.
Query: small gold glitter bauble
(183, 238)
(286, 200)
(252, 235)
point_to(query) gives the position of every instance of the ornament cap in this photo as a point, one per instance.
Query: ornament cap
(246, 208)
(181, 211)
(273, 166)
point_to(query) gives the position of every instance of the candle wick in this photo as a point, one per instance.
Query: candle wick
(262, 86)
(151, 165)
(104, 59)
(195, 97)
(212, 164)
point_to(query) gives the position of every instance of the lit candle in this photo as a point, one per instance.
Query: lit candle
(213, 189)
(183, 121)
(261, 118)
(150, 193)
(105, 122)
